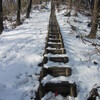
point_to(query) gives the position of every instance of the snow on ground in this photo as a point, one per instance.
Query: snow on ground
(23, 48)
(21, 51)
(82, 56)
(50, 95)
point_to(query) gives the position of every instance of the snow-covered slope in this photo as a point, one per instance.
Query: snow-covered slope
(84, 59)
(21, 51)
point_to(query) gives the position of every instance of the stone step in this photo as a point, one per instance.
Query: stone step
(54, 36)
(55, 45)
(56, 71)
(53, 27)
(59, 59)
(56, 51)
(54, 33)
(56, 59)
(54, 40)
(63, 88)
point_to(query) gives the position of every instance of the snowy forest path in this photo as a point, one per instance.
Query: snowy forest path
(55, 53)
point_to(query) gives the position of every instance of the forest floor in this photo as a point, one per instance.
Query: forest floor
(22, 50)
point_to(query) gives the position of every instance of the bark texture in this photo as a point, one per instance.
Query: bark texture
(18, 21)
(1, 17)
(95, 19)
(29, 9)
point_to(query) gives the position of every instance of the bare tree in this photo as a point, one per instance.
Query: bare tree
(95, 19)
(18, 21)
(46, 2)
(70, 4)
(29, 9)
(77, 6)
(40, 2)
(1, 17)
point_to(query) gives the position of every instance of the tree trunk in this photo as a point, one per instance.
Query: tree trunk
(40, 2)
(18, 22)
(70, 7)
(29, 9)
(95, 20)
(46, 2)
(70, 4)
(1, 17)
(76, 6)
